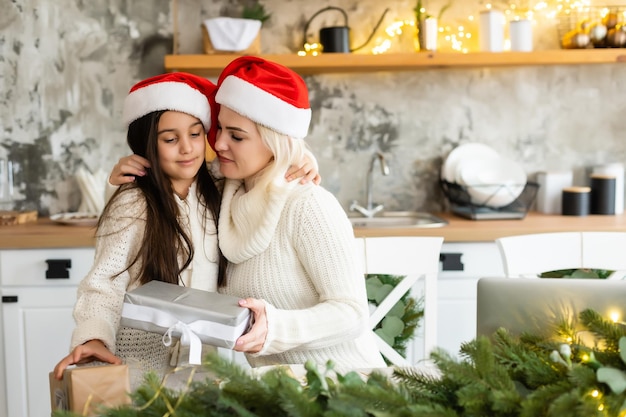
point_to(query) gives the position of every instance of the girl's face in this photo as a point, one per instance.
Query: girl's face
(181, 143)
(240, 149)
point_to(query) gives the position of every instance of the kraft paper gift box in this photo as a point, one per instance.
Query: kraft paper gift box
(193, 315)
(85, 390)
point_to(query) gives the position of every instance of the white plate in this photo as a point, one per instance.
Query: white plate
(76, 219)
(463, 152)
(494, 182)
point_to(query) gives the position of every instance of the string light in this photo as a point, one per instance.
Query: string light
(463, 36)
(311, 49)
(615, 316)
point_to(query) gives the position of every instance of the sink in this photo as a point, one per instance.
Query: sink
(399, 219)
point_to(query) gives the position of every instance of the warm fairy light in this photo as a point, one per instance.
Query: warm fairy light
(382, 48)
(615, 316)
(595, 393)
(465, 37)
(601, 407)
(569, 339)
(585, 357)
(311, 49)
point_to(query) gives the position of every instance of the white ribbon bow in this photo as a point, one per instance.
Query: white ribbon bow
(187, 338)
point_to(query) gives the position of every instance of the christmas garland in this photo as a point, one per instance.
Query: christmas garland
(525, 376)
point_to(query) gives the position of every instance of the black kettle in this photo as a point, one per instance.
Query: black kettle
(337, 38)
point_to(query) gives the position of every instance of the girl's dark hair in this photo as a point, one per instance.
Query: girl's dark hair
(164, 239)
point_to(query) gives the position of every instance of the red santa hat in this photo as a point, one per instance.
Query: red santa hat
(177, 91)
(267, 93)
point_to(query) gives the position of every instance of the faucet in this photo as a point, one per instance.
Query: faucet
(371, 209)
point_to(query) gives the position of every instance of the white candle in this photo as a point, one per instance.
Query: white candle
(491, 31)
(521, 35)
(430, 34)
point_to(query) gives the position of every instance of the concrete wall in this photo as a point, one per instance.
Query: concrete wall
(66, 66)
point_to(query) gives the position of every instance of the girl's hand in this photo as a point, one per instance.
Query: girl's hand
(253, 341)
(127, 168)
(308, 170)
(87, 352)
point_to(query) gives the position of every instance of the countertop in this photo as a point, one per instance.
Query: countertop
(47, 234)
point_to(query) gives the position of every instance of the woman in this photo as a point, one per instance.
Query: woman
(290, 246)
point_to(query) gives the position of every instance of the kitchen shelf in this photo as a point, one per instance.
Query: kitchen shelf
(211, 65)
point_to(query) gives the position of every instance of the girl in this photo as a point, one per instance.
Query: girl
(161, 227)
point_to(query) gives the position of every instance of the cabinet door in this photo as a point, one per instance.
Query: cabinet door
(457, 290)
(38, 288)
(37, 328)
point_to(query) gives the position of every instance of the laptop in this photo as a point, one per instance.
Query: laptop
(537, 305)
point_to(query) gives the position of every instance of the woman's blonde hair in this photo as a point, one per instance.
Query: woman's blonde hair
(287, 151)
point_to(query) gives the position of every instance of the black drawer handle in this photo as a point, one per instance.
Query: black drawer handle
(451, 262)
(58, 268)
(9, 298)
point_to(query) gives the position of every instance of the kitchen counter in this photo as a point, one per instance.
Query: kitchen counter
(464, 230)
(44, 233)
(47, 234)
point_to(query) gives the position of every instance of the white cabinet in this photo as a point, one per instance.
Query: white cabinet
(38, 289)
(456, 312)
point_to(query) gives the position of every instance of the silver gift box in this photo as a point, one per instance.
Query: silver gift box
(169, 309)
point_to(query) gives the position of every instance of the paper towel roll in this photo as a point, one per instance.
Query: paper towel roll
(549, 195)
(616, 170)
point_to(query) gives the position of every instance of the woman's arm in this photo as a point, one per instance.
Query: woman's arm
(128, 168)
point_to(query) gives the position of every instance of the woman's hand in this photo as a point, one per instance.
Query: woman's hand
(87, 352)
(253, 341)
(127, 168)
(307, 169)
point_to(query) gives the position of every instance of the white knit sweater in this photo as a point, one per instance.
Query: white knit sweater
(294, 248)
(100, 297)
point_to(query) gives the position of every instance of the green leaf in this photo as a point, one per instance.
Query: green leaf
(381, 293)
(584, 273)
(371, 286)
(383, 335)
(614, 378)
(397, 310)
(393, 326)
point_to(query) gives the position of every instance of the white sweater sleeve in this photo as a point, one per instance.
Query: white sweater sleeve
(100, 294)
(324, 243)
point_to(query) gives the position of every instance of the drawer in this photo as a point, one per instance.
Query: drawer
(35, 267)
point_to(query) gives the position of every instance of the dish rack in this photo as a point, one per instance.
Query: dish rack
(461, 203)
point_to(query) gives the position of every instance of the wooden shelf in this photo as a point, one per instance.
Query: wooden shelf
(211, 65)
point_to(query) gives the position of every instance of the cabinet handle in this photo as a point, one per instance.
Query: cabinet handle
(58, 268)
(9, 298)
(451, 262)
